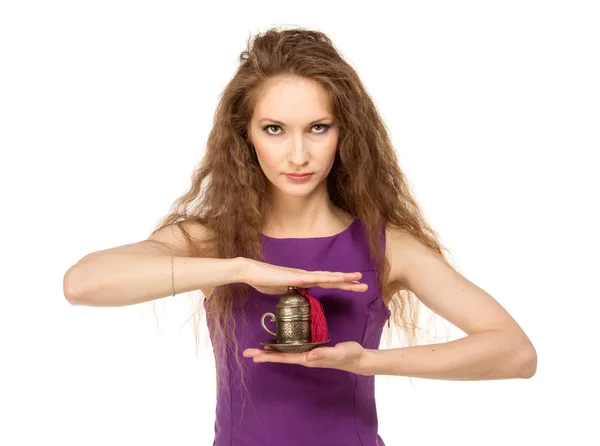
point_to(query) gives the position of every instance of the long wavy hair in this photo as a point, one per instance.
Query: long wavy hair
(229, 192)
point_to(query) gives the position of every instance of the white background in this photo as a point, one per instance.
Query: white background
(105, 108)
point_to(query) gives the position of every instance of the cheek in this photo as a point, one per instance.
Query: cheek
(267, 157)
(269, 160)
(330, 152)
(333, 142)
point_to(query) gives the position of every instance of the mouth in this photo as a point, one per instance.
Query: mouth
(299, 177)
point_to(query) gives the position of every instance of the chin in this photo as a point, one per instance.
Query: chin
(297, 194)
(295, 190)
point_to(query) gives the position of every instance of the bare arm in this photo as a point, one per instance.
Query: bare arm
(140, 272)
(495, 347)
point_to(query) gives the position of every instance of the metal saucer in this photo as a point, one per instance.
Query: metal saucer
(296, 347)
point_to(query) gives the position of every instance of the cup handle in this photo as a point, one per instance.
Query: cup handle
(262, 322)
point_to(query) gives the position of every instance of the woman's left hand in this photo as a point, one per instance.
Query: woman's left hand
(348, 356)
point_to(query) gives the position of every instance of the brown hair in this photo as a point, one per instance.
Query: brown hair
(228, 190)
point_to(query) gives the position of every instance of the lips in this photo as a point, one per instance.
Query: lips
(299, 178)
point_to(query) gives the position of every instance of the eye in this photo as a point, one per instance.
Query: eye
(270, 127)
(324, 126)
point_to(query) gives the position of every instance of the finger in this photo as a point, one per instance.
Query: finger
(346, 275)
(316, 278)
(357, 287)
(350, 276)
(353, 276)
(317, 353)
(285, 358)
(349, 286)
(252, 352)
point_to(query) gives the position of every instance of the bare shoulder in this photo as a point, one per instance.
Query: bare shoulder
(403, 250)
(173, 237)
(169, 240)
(445, 291)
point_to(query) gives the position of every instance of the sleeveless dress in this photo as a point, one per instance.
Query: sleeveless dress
(293, 405)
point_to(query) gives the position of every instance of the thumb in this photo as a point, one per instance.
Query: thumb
(315, 355)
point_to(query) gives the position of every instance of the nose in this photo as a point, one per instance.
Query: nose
(298, 152)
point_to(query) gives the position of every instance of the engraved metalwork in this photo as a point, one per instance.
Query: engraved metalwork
(292, 324)
(292, 319)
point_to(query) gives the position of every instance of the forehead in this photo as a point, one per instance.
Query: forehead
(292, 98)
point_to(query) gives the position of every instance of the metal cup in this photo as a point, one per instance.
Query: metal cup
(292, 319)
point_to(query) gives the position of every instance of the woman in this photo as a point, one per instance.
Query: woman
(300, 186)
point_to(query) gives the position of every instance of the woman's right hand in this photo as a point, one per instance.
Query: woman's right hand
(273, 279)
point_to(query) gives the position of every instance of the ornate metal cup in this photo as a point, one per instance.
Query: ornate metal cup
(292, 318)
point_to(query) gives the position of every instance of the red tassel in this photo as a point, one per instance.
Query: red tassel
(318, 323)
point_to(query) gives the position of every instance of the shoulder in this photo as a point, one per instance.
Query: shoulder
(177, 237)
(406, 253)
(192, 227)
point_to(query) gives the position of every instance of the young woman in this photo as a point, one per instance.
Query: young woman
(300, 186)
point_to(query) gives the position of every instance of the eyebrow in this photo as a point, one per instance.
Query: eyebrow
(281, 123)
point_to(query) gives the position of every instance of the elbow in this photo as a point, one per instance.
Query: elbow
(527, 361)
(73, 288)
(76, 282)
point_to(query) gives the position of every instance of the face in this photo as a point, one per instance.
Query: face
(293, 131)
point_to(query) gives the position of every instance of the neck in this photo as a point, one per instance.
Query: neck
(311, 216)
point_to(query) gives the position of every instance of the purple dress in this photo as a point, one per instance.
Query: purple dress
(293, 405)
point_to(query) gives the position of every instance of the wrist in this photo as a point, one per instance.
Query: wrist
(240, 269)
(367, 362)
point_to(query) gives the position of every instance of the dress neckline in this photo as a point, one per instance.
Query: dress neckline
(328, 237)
